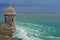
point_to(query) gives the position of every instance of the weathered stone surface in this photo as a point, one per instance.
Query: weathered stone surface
(6, 30)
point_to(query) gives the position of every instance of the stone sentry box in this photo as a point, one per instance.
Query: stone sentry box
(8, 27)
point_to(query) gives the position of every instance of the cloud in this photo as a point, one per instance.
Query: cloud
(34, 5)
(32, 2)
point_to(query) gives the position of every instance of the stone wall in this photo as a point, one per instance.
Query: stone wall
(5, 32)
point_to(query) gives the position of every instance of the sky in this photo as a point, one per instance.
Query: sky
(32, 5)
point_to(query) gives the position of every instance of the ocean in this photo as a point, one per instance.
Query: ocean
(37, 26)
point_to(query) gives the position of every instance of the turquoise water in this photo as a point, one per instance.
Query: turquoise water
(37, 26)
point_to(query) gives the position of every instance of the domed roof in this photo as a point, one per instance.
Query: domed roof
(9, 10)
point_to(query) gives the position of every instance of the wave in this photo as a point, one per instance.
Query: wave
(30, 31)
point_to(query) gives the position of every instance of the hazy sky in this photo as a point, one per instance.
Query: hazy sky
(32, 5)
